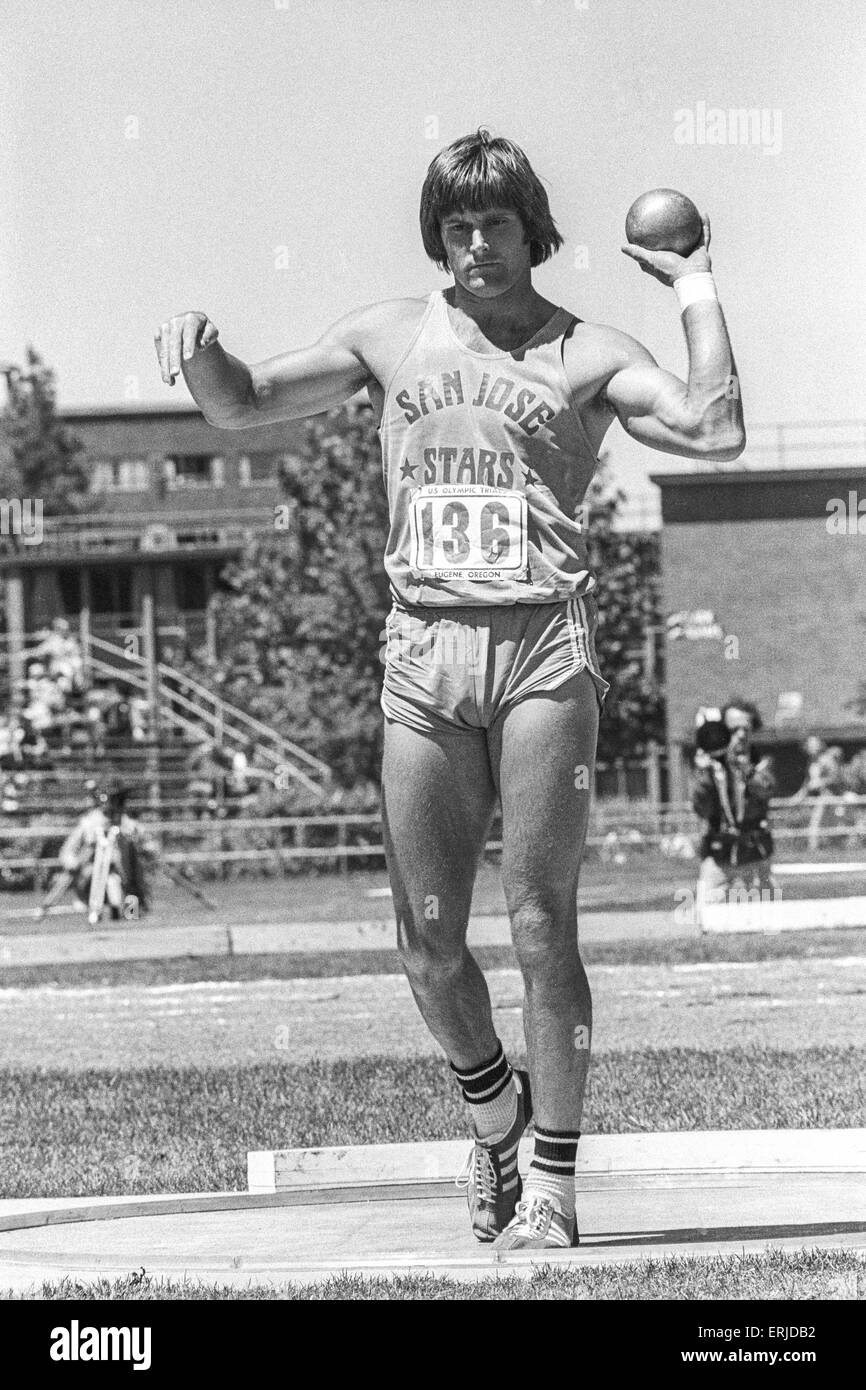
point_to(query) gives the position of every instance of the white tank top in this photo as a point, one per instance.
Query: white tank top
(486, 465)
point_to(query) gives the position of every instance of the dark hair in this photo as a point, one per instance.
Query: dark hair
(480, 172)
(748, 707)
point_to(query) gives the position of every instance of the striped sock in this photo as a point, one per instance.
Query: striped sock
(551, 1172)
(491, 1095)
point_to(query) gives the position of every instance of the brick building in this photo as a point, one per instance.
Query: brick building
(764, 594)
(174, 499)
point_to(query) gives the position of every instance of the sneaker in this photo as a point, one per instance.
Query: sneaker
(539, 1225)
(489, 1175)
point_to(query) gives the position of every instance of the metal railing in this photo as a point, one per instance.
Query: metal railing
(357, 836)
(223, 721)
(147, 532)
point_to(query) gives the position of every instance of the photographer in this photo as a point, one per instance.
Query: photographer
(732, 794)
(130, 858)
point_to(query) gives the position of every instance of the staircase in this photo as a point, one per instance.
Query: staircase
(188, 707)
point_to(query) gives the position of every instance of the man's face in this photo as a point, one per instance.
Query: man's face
(487, 251)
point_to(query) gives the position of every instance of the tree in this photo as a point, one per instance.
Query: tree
(300, 626)
(39, 459)
(301, 622)
(626, 565)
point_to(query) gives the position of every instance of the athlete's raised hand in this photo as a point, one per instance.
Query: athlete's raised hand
(667, 266)
(184, 334)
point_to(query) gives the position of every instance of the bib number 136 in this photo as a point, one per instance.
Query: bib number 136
(458, 529)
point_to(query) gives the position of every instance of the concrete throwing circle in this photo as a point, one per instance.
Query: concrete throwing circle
(314, 1233)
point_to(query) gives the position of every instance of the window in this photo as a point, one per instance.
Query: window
(190, 587)
(258, 470)
(193, 470)
(69, 582)
(121, 475)
(111, 590)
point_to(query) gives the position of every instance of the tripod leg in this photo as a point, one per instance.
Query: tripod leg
(182, 882)
(99, 880)
(56, 891)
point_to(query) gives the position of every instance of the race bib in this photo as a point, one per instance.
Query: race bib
(467, 532)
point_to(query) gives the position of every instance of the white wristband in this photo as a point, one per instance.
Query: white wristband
(690, 289)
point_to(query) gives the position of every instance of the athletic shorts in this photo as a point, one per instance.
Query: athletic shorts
(453, 670)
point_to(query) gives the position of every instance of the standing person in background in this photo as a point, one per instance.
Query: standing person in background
(732, 794)
(824, 780)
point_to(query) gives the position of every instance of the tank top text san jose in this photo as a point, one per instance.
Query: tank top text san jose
(486, 466)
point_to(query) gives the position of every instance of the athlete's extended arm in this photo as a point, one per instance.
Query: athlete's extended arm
(702, 417)
(233, 395)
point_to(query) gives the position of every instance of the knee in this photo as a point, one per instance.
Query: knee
(545, 940)
(429, 963)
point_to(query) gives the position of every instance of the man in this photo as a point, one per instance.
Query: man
(732, 794)
(492, 405)
(825, 779)
(126, 875)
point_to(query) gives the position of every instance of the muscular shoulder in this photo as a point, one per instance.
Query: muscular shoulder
(592, 355)
(366, 328)
(595, 351)
(377, 335)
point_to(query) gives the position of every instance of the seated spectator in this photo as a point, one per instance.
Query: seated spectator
(207, 776)
(265, 800)
(139, 718)
(94, 710)
(13, 791)
(117, 717)
(62, 654)
(10, 741)
(78, 731)
(44, 697)
(241, 771)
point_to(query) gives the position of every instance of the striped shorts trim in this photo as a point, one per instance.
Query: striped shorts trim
(452, 670)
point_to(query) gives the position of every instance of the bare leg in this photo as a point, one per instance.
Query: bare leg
(438, 799)
(543, 750)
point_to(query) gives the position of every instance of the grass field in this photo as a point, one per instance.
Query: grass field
(188, 1130)
(808, 1274)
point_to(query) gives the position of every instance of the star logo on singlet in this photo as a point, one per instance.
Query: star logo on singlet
(408, 470)
(529, 478)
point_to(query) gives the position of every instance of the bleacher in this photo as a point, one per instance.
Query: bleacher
(217, 789)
